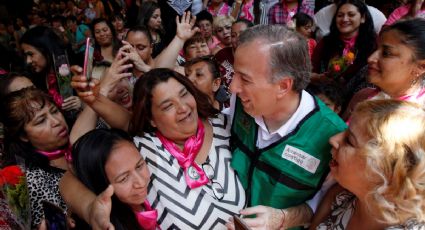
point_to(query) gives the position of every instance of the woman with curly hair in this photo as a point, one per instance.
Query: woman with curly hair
(379, 163)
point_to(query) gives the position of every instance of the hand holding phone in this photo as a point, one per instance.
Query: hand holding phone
(88, 59)
(240, 223)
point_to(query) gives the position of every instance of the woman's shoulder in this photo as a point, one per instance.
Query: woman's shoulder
(220, 123)
(38, 174)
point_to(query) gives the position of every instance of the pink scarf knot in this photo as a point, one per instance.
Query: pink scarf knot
(194, 175)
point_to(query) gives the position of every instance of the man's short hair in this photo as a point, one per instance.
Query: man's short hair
(288, 53)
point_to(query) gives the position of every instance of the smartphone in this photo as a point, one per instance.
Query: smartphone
(88, 59)
(240, 223)
(54, 216)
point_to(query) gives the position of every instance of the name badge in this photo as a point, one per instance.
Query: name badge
(301, 158)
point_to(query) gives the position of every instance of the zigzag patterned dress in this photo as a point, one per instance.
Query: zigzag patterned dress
(180, 207)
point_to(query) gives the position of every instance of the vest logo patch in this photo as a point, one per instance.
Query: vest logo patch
(301, 158)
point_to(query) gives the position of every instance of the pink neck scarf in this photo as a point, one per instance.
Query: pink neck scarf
(349, 44)
(194, 175)
(53, 155)
(147, 218)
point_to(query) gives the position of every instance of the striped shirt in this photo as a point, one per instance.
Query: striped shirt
(180, 207)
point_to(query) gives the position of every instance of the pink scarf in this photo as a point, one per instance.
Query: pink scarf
(349, 44)
(147, 218)
(53, 155)
(194, 175)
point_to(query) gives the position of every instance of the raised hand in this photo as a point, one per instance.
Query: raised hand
(185, 29)
(71, 103)
(116, 72)
(129, 51)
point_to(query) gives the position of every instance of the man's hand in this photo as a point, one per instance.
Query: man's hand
(266, 218)
(272, 218)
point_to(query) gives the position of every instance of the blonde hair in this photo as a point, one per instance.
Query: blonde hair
(395, 159)
(222, 20)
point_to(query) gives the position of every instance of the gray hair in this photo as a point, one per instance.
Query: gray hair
(288, 53)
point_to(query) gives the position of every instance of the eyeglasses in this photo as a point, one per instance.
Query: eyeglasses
(217, 189)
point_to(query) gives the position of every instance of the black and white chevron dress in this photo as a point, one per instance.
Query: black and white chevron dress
(180, 207)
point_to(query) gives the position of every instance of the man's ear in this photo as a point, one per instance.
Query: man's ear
(337, 109)
(284, 86)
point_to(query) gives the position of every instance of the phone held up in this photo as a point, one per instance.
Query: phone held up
(88, 59)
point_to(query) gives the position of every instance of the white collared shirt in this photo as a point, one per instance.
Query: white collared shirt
(265, 138)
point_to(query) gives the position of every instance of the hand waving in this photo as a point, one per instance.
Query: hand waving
(185, 29)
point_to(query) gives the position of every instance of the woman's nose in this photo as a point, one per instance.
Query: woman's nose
(139, 180)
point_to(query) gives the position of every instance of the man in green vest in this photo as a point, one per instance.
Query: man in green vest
(280, 132)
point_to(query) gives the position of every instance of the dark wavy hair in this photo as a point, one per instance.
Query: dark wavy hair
(210, 60)
(142, 99)
(116, 44)
(18, 108)
(145, 13)
(142, 29)
(89, 156)
(48, 43)
(366, 39)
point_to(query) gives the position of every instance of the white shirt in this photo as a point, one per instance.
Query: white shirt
(265, 138)
(323, 19)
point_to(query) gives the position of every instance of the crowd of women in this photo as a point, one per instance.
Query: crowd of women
(175, 128)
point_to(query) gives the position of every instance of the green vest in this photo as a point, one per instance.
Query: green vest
(291, 170)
